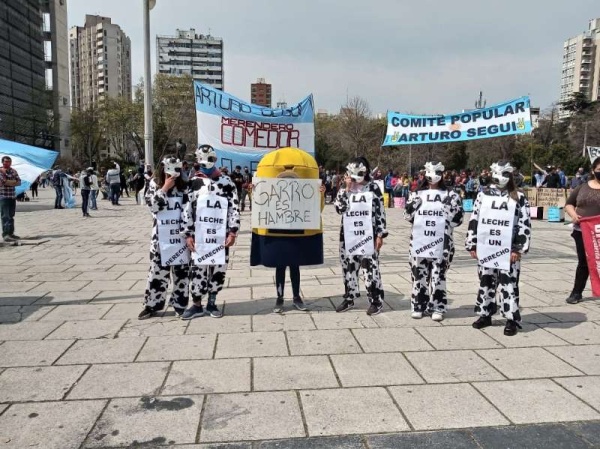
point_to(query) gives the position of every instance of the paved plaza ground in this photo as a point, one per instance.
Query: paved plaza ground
(78, 370)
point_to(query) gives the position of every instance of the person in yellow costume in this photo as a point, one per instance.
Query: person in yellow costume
(282, 248)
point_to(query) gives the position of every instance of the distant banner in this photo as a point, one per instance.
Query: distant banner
(593, 153)
(28, 161)
(590, 231)
(513, 117)
(241, 133)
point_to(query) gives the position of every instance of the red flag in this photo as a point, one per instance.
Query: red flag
(590, 231)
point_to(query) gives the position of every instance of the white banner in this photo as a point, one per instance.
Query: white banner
(495, 231)
(286, 203)
(593, 153)
(358, 225)
(172, 245)
(429, 226)
(211, 229)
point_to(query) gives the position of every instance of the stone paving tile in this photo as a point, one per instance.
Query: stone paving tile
(32, 353)
(105, 276)
(14, 314)
(366, 370)
(457, 337)
(569, 313)
(584, 358)
(542, 436)
(456, 406)
(153, 327)
(576, 333)
(333, 320)
(17, 299)
(77, 312)
(255, 344)
(48, 425)
(535, 401)
(293, 373)
(334, 412)
(251, 416)
(109, 286)
(147, 422)
(452, 366)
(87, 329)
(531, 335)
(588, 431)
(55, 277)
(227, 324)
(321, 342)
(130, 276)
(455, 439)
(60, 286)
(391, 340)
(122, 311)
(585, 388)
(207, 376)
(533, 363)
(20, 287)
(117, 350)
(120, 380)
(178, 347)
(58, 298)
(282, 322)
(343, 442)
(402, 319)
(247, 308)
(27, 330)
(118, 297)
(235, 294)
(48, 383)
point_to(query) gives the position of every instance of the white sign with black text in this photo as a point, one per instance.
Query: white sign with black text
(172, 246)
(358, 225)
(211, 229)
(429, 226)
(495, 231)
(593, 153)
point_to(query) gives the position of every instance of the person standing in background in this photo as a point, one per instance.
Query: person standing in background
(113, 179)
(94, 189)
(9, 179)
(85, 181)
(34, 187)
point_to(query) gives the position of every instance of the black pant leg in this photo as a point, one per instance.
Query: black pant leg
(582, 272)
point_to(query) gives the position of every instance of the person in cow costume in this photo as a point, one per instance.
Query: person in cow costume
(499, 235)
(434, 212)
(208, 279)
(167, 196)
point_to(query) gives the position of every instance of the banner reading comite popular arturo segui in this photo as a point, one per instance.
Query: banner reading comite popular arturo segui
(590, 231)
(241, 133)
(512, 117)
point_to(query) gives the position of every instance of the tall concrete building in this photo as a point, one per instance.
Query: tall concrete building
(25, 102)
(100, 62)
(260, 93)
(200, 56)
(581, 65)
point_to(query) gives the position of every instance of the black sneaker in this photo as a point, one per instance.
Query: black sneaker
(213, 310)
(146, 313)
(375, 308)
(179, 311)
(511, 328)
(299, 304)
(346, 305)
(278, 306)
(15, 237)
(482, 321)
(574, 298)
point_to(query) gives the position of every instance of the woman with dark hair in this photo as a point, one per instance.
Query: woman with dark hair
(167, 196)
(360, 201)
(499, 234)
(434, 210)
(584, 201)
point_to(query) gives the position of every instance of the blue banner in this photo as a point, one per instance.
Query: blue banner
(28, 161)
(241, 132)
(512, 117)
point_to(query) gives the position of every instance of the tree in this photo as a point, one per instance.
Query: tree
(357, 130)
(576, 103)
(119, 117)
(86, 133)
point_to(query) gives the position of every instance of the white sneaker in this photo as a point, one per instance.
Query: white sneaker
(417, 315)
(437, 316)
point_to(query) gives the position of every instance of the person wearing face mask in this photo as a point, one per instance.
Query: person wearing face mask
(434, 210)
(213, 201)
(584, 201)
(166, 197)
(578, 179)
(360, 202)
(499, 234)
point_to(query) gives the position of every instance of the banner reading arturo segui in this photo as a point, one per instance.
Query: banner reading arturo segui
(590, 231)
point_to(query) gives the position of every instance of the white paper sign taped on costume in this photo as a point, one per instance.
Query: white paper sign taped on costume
(495, 231)
(211, 229)
(429, 226)
(172, 245)
(358, 225)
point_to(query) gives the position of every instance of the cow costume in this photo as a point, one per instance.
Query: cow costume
(360, 189)
(167, 196)
(499, 234)
(209, 279)
(434, 212)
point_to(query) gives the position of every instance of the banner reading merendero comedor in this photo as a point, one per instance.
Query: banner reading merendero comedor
(512, 117)
(241, 133)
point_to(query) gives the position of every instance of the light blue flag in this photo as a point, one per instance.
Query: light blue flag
(28, 161)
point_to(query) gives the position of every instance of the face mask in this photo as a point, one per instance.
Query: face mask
(597, 175)
(207, 171)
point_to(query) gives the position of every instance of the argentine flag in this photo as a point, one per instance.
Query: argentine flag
(28, 161)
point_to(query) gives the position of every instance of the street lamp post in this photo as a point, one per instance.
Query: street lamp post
(148, 133)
